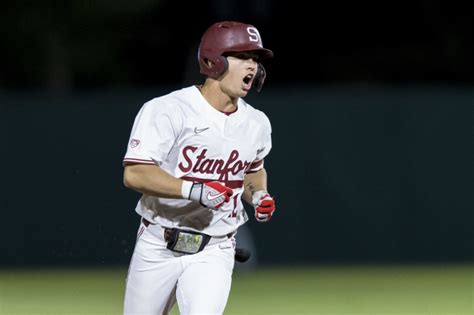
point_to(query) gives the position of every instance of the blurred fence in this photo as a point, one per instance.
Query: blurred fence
(359, 173)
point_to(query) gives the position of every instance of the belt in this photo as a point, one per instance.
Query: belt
(167, 232)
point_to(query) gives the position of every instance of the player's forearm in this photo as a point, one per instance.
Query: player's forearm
(254, 182)
(152, 180)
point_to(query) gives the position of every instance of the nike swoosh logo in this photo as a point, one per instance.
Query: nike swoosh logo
(199, 130)
(211, 197)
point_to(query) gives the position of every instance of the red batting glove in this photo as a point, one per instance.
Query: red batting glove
(264, 206)
(211, 195)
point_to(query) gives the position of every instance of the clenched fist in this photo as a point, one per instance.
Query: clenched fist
(211, 195)
(264, 205)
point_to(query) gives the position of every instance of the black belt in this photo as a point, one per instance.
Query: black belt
(168, 232)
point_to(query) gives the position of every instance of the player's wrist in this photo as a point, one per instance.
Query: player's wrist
(256, 196)
(186, 188)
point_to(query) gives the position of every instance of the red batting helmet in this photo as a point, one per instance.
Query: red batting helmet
(229, 36)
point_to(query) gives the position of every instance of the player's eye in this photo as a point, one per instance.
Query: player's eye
(244, 56)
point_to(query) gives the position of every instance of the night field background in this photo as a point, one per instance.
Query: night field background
(372, 165)
(283, 290)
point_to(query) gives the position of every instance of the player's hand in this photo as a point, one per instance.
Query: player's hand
(211, 195)
(264, 206)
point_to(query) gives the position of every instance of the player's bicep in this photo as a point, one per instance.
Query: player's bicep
(135, 174)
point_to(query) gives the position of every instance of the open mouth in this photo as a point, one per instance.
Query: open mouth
(247, 80)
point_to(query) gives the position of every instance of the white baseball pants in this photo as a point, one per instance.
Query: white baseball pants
(158, 277)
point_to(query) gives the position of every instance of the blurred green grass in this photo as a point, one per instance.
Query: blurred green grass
(430, 289)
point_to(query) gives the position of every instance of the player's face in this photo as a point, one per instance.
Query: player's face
(238, 80)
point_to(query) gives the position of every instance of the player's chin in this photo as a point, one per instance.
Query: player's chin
(243, 93)
(244, 90)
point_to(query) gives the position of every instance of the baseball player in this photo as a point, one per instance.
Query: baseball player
(195, 154)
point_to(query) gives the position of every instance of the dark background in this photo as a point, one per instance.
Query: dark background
(372, 110)
(59, 45)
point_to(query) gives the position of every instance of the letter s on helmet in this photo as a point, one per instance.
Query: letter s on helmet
(229, 36)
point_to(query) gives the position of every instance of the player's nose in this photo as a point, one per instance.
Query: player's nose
(252, 65)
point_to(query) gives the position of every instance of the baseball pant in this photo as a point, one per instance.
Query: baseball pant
(158, 277)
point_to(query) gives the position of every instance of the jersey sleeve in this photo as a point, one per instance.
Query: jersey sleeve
(153, 134)
(265, 146)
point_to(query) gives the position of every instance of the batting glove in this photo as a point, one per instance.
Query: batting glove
(264, 206)
(211, 195)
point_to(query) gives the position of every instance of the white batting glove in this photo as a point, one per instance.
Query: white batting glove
(211, 195)
(264, 206)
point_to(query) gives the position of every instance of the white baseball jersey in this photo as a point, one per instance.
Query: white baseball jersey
(188, 138)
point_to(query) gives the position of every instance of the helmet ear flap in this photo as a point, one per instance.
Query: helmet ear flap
(215, 67)
(224, 65)
(259, 77)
